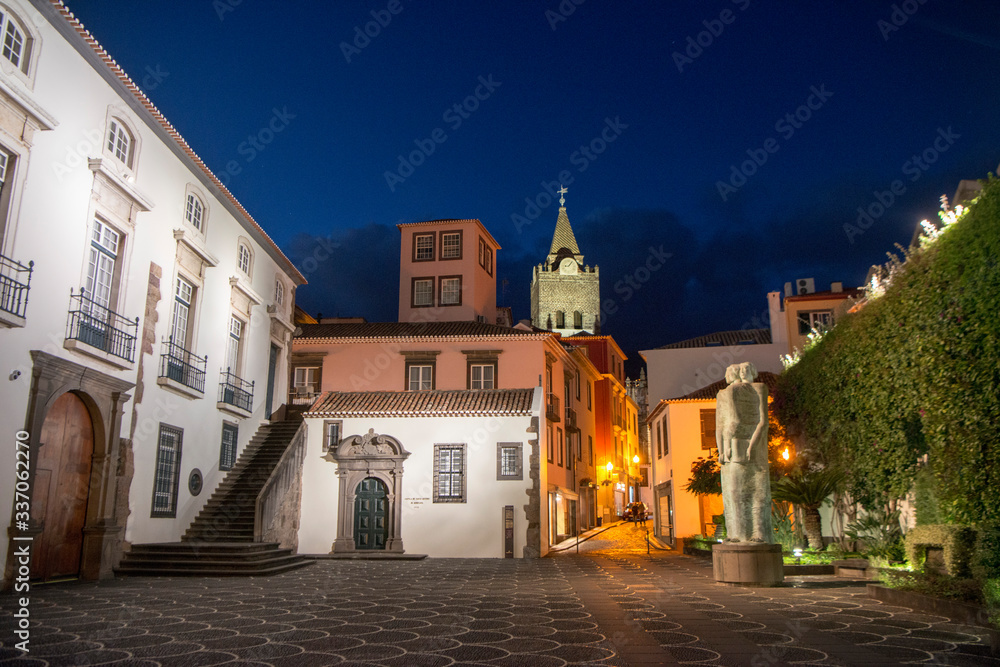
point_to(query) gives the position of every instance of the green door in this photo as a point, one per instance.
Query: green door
(370, 514)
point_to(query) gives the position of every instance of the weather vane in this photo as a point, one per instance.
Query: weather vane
(562, 195)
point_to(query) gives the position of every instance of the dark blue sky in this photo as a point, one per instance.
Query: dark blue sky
(832, 100)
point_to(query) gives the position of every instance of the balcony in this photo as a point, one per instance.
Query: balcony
(552, 408)
(571, 419)
(235, 394)
(15, 281)
(100, 332)
(182, 370)
(304, 394)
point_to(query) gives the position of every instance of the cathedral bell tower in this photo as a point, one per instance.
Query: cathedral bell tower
(565, 293)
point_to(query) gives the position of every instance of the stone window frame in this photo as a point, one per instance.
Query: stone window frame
(413, 291)
(417, 358)
(194, 193)
(441, 245)
(173, 473)
(227, 462)
(550, 444)
(28, 55)
(416, 254)
(441, 282)
(659, 439)
(463, 472)
(560, 447)
(482, 358)
(328, 425)
(518, 473)
(244, 257)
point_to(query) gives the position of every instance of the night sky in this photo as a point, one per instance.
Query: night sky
(736, 136)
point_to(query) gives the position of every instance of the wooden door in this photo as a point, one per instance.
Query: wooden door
(370, 511)
(62, 484)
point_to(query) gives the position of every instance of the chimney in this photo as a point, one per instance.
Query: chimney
(837, 286)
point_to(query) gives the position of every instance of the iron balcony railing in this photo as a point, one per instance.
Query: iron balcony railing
(182, 366)
(100, 327)
(15, 282)
(235, 391)
(552, 407)
(570, 418)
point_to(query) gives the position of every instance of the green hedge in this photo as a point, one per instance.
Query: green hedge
(914, 372)
(958, 543)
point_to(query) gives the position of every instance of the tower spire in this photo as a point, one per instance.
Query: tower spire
(563, 240)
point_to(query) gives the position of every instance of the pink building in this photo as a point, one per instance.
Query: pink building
(447, 272)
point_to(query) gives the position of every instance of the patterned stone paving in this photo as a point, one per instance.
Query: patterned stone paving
(611, 605)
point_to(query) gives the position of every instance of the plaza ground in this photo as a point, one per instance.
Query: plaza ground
(610, 605)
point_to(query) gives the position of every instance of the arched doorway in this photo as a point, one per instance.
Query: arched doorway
(370, 514)
(62, 485)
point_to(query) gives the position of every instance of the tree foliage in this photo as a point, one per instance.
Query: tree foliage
(915, 372)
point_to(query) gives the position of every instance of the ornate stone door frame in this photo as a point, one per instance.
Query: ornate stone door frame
(358, 457)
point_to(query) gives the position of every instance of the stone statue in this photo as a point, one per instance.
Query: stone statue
(741, 436)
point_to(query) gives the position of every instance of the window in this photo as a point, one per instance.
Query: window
(194, 211)
(13, 42)
(167, 476)
(659, 440)
(422, 293)
(485, 256)
(181, 321)
(590, 448)
(814, 319)
(120, 142)
(509, 461)
(451, 291)
(578, 385)
(423, 247)
(7, 168)
(244, 258)
(482, 376)
(560, 319)
(449, 473)
(234, 347)
(560, 446)
(227, 455)
(451, 245)
(420, 377)
(279, 292)
(590, 398)
(102, 264)
(577, 319)
(708, 429)
(306, 380)
(666, 438)
(331, 435)
(482, 252)
(550, 443)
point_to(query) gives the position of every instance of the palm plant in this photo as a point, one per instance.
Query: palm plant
(809, 490)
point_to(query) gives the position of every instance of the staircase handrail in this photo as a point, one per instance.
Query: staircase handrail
(277, 484)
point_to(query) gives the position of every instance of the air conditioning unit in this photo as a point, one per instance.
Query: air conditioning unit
(805, 286)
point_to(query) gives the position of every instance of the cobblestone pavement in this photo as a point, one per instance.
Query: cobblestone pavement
(611, 605)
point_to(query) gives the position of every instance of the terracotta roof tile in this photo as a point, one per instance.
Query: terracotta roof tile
(464, 403)
(377, 330)
(724, 339)
(712, 390)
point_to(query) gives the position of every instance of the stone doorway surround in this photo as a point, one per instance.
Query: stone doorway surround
(104, 397)
(359, 457)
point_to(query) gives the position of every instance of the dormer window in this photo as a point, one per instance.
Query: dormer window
(120, 142)
(194, 211)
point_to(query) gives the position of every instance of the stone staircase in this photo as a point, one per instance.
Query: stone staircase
(220, 541)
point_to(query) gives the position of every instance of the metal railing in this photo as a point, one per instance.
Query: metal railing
(235, 391)
(183, 366)
(570, 418)
(552, 407)
(15, 282)
(100, 327)
(268, 524)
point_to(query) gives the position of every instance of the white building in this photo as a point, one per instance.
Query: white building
(153, 337)
(443, 473)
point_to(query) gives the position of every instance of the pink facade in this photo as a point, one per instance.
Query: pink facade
(447, 272)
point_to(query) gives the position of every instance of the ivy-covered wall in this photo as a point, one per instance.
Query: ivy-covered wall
(916, 371)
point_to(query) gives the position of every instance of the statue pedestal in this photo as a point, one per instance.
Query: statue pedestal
(748, 564)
